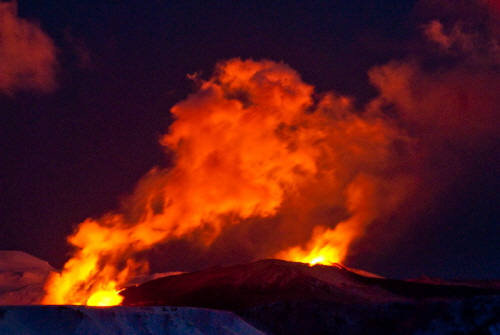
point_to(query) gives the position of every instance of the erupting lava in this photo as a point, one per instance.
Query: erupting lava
(105, 298)
(253, 142)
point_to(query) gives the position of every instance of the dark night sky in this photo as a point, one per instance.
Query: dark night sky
(76, 151)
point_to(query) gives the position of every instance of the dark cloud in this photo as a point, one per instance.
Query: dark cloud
(444, 94)
(27, 54)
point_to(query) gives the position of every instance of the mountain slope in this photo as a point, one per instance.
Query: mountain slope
(280, 297)
(22, 277)
(242, 286)
(267, 281)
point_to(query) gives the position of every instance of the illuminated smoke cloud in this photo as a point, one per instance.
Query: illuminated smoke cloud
(445, 95)
(27, 54)
(448, 90)
(251, 143)
(266, 167)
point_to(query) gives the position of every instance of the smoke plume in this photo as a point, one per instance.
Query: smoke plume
(253, 142)
(27, 54)
(444, 95)
(267, 166)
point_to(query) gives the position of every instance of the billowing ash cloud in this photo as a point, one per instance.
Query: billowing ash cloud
(266, 167)
(449, 85)
(27, 54)
(445, 94)
(253, 147)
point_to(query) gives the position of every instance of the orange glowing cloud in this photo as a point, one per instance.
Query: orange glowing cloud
(263, 162)
(250, 143)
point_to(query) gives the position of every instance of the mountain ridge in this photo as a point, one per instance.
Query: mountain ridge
(262, 282)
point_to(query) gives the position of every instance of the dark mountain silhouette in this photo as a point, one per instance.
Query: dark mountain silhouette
(280, 297)
(267, 281)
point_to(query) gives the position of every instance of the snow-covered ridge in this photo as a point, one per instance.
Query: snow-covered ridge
(18, 260)
(22, 277)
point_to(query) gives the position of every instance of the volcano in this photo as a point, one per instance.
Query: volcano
(263, 282)
(281, 297)
(264, 297)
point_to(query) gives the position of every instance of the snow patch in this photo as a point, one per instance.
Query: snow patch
(59, 320)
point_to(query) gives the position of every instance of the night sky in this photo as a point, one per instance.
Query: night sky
(74, 143)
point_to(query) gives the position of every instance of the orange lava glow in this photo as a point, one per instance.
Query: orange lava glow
(325, 247)
(252, 143)
(105, 298)
(331, 245)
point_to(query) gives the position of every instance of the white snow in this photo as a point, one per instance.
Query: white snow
(80, 320)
